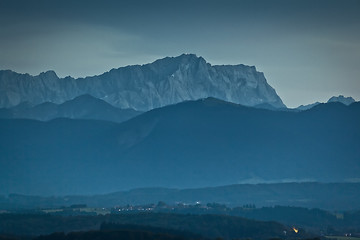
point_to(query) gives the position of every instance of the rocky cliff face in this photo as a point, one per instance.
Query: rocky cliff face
(163, 82)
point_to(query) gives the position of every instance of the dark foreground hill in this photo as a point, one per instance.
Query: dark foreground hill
(123, 234)
(209, 226)
(192, 144)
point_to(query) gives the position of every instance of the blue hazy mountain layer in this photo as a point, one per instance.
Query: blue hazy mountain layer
(340, 99)
(82, 107)
(192, 144)
(330, 196)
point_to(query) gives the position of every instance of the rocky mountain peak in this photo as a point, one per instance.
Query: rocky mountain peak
(143, 87)
(48, 74)
(342, 99)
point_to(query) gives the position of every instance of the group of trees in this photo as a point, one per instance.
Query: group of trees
(111, 235)
(205, 225)
(191, 225)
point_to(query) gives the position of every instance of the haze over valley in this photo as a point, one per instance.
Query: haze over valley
(99, 148)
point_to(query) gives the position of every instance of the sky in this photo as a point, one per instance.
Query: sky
(309, 50)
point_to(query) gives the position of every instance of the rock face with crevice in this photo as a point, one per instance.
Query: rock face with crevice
(166, 81)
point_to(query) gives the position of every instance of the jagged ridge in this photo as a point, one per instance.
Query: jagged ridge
(163, 82)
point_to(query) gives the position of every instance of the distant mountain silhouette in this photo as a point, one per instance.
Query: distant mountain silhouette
(200, 143)
(166, 81)
(342, 99)
(308, 106)
(330, 196)
(82, 107)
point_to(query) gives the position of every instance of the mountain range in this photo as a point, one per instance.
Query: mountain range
(89, 107)
(340, 98)
(166, 81)
(200, 143)
(203, 126)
